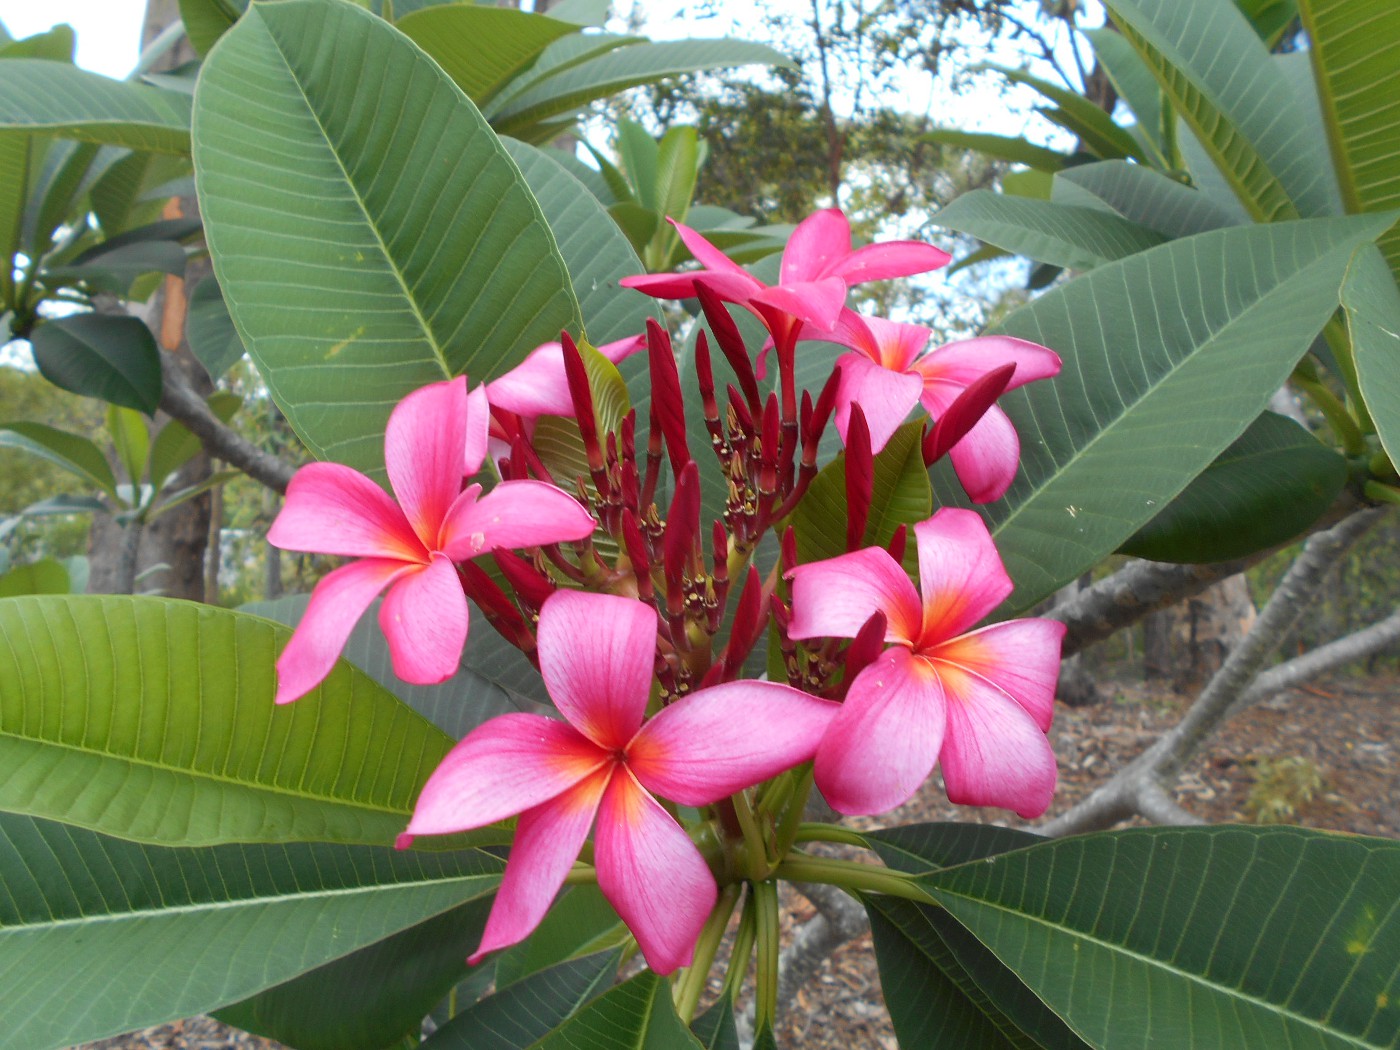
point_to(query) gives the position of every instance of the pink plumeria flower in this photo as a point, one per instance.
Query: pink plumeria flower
(596, 654)
(818, 267)
(435, 436)
(978, 702)
(538, 387)
(888, 374)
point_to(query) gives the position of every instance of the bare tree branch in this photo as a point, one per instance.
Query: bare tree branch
(1324, 658)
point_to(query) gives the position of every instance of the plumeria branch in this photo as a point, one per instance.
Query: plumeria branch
(1139, 787)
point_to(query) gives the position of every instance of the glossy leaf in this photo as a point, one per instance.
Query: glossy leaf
(925, 847)
(17, 154)
(112, 358)
(1144, 196)
(1082, 921)
(38, 95)
(131, 438)
(1134, 83)
(1372, 304)
(1080, 116)
(208, 926)
(1218, 76)
(75, 454)
(581, 923)
(370, 998)
(409, 268)
(175, 446)
(126, 196)
(121, 715)
(1205, 329)
(209, 329)
(1002, 147)
(1273, 482)
(631, 1016)
(715, 1028)
(207, 20)
(518, 1016)
(46, 576)
(1065, 235)
(1352, 44)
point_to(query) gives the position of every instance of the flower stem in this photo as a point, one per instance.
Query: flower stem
(758, 865)
(810, 832)
(765, 896)
(790, 821)
(852, 876)
(743, 948)
(692, 981)
(581, 875)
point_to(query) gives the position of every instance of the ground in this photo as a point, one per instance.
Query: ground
(1323, 755)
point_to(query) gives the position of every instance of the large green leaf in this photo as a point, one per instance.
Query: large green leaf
(99, 936)
(75, 454)
(1353, 44)
(39, 95)
(371, 998)
(381, 240)
(46, 576)
(1144, 196)
(1079, 115)
(1217, 74)
(516, 1017)
(1168, 355)
(1273, 482)
(1076, 238)
(1003, 147)
(1225, 936)
(1135, 85)
(637, 1015)
(97, 355)
(207, 20)
(924, 847)
(1372, 304)
(153, 719)
(581, 922)
(56, 45)
(17, 153)
(715, 1028)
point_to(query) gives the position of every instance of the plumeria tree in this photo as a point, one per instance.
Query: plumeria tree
(648, 597)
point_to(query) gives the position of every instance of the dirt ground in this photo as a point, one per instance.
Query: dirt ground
(1324, 755)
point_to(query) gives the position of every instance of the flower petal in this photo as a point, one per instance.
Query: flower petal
(987, 457)
(332, 509)
(884, 741)
(651, 872)
(536, 386)
(547, 841)
(820, 242)
(424, 619)
(1019, 657)
(834, 598)
(885, 396)
(967, 359)
(514, 514)
(960, 573)
(478, 430)
(880, 262)
(663, 285)
(994, 754)
(706, 254)
(725, 738)
(596, 654)
(817, 303)
(504, 766)
(336, 605)
(425, 453)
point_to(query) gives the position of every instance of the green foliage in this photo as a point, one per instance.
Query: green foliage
(1281, 785)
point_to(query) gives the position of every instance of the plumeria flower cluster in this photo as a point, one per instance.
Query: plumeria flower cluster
(673, 777)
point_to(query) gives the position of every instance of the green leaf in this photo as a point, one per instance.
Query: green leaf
(96, 355)
(17, 154)
(425, 255)
(1352, 44)
(121, 715)
(1002, 147)
(1269, 17)
(1224, 936)
(637, 1015)
(131, 438)
(1143, 196)
(519, 1015)
(715, 1028)
(1273, 482)
(46, 576)
(100, 936)
(616, 71)
(1134, 83)
(209, 329)
(1218, 76)
(119, 198)
(581, 922)
(1372, 304)
(207, 20)
(482, 48)
(1077, 114)
(175, 446)
(1065, 235)
(925, 847)
(75, 454)
(38, 95)
(595, 250)
(370, 998)
(1168, 355)
(116, 270)
(900, 496)
(56, 45)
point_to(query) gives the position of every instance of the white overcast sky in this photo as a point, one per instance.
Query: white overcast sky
(108, 30)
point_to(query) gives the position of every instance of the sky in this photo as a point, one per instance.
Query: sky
(108, 31)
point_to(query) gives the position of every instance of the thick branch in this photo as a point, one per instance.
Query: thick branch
(179, 400)
(1324, 658)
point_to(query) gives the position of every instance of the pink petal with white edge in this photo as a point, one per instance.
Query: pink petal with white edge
(506, 765)
(726, 738)
(987, 457)
(880, 262)
(1019, 657)
(966, 360)
(425, 453)
(994, 754)
(885, 397)
(547, 841)
(884, 742)
(820, 242)
(332, 509)
(514, 514)
(960, 573)
(596, 654)
(834, 598)
(336, 605)
(478, 430)
(424, 619)
(652, 874)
